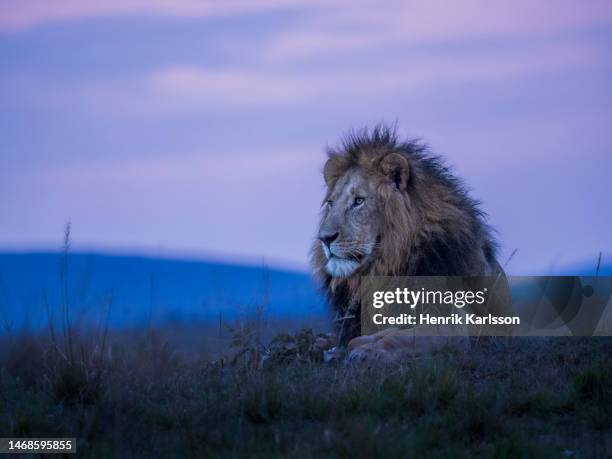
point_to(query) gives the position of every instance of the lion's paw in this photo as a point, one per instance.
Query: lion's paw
(369, 354)
(393, 346)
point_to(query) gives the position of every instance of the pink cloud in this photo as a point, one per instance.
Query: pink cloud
(21, 14)
(369, 25)
(341, 23)
(190, 89)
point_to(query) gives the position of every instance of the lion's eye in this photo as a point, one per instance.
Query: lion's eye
(358, 201)
(329, 202)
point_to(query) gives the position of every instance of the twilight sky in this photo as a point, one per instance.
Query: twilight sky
(196, 128)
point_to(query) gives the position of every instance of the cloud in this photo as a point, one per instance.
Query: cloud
(190, 89)
(177, 90)
(366, 25)
(228, 87)
(209, 168)
(22, 14)
(340, 24)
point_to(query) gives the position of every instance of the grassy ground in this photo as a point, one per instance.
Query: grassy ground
(136, 398)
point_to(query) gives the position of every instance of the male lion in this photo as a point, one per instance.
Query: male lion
(393, 209)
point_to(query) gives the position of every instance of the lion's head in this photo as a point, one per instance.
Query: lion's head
(365, 215)
(391, 208)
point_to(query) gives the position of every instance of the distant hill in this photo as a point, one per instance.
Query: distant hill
(586, 268)
(140, 289)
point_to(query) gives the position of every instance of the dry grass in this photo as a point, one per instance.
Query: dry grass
(521, 398)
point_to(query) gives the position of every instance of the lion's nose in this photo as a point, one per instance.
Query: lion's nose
(328, 238)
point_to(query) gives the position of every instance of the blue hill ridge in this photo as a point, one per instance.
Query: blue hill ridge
(135, 290)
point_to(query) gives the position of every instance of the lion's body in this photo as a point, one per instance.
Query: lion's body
(428, 224)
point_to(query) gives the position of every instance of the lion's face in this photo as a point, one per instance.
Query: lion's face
(349, 228)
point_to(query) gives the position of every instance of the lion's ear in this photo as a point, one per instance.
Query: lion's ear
(395, 166)
(333, 169)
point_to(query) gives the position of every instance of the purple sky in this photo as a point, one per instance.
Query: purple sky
(198, 127)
